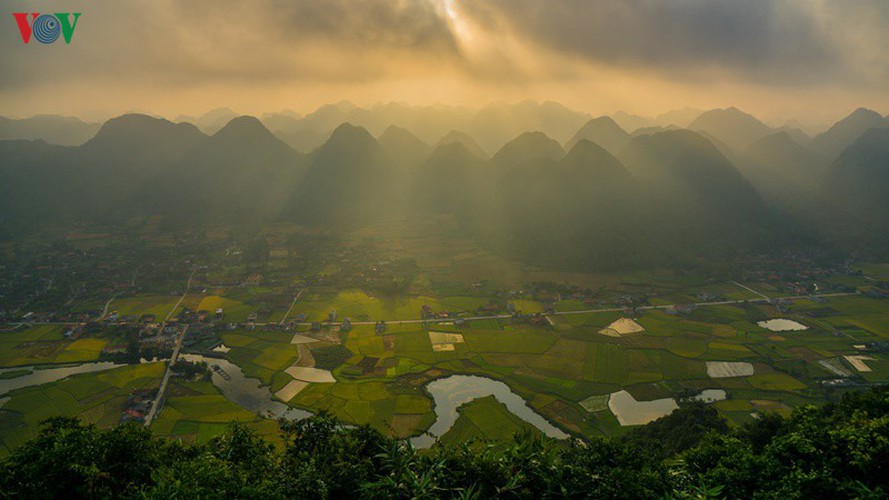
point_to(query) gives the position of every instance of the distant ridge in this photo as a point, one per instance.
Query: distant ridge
(604, 132)
(846, 131)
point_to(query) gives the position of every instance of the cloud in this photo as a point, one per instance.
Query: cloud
(764, 40)
(186, 41)
(629, 51)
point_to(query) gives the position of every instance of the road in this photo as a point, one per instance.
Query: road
(291, 306)
(745, 287)
(105, 310)
(588, 311)
(155, 407)
(507, 316)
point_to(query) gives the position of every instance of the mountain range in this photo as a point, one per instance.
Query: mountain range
(607, 199)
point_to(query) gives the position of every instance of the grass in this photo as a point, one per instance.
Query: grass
(97, 398)
(261, 355)
(199, 413)
(485, 419)
(46, 344)
(232, 310)
(159, 305)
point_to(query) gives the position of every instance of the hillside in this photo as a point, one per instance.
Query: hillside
(738, 130)
(604, 132)
(836, 451)
(845, 132)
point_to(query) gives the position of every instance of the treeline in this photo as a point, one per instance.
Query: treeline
(839, 450)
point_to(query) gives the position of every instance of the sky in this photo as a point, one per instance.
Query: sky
(813, 60)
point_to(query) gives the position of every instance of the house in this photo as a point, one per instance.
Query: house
(426, 312)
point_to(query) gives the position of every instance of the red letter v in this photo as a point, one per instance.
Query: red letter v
(21, 18)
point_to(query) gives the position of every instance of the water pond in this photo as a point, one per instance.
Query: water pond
(451, 392)
(782, 325)
(247, 392)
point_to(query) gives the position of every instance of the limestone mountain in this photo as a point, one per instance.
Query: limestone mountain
(846, 131)
(241, 173)
(604, 132)
(733, 127)
(62, 130)
(347, 182)
(527, 147)
(781, 169)
(403, 149)
(853, 191)
(448, 179)
(465, 139)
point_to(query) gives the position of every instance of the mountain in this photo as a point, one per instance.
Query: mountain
(631, 122)
(696, 200)
(678, 117)
(303, 140)
(211, 121)
(602, 131)
(99, 179)
(583, 205)
(733, 127)
(241, 173)
(141, 139)
(853, 191)
(781, 169)
(448, 179)
(796, 134)
(402, 148)
(348, 181)
(286, 122)
(62, 130)
(843, 133)
(652, 130)
(465, 139)
(494, 125)
(527, 147)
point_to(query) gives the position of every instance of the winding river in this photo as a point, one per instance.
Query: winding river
(39, 375)
(449, 394)
(454, 391)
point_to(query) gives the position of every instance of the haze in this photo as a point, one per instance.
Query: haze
(772, 58)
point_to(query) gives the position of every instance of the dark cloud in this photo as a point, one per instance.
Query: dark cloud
(236, 45)
(185, 41)
(761, 40)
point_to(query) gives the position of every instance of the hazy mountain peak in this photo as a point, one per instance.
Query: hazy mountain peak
(347, 131)
(528, 147)
(395, 133)
(455, 136)
(845, 132)
(731, 126)
(247, 125)
(452, 149)
(586, 149)
(631, 122)
(402, 147)
(603, 131)
(142, 129)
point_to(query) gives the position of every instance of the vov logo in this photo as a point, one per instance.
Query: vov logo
(46, 28)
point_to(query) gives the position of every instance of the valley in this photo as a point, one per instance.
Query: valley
(292, 320)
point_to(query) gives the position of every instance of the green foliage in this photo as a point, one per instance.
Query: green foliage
(331, 357)
(837, 451)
